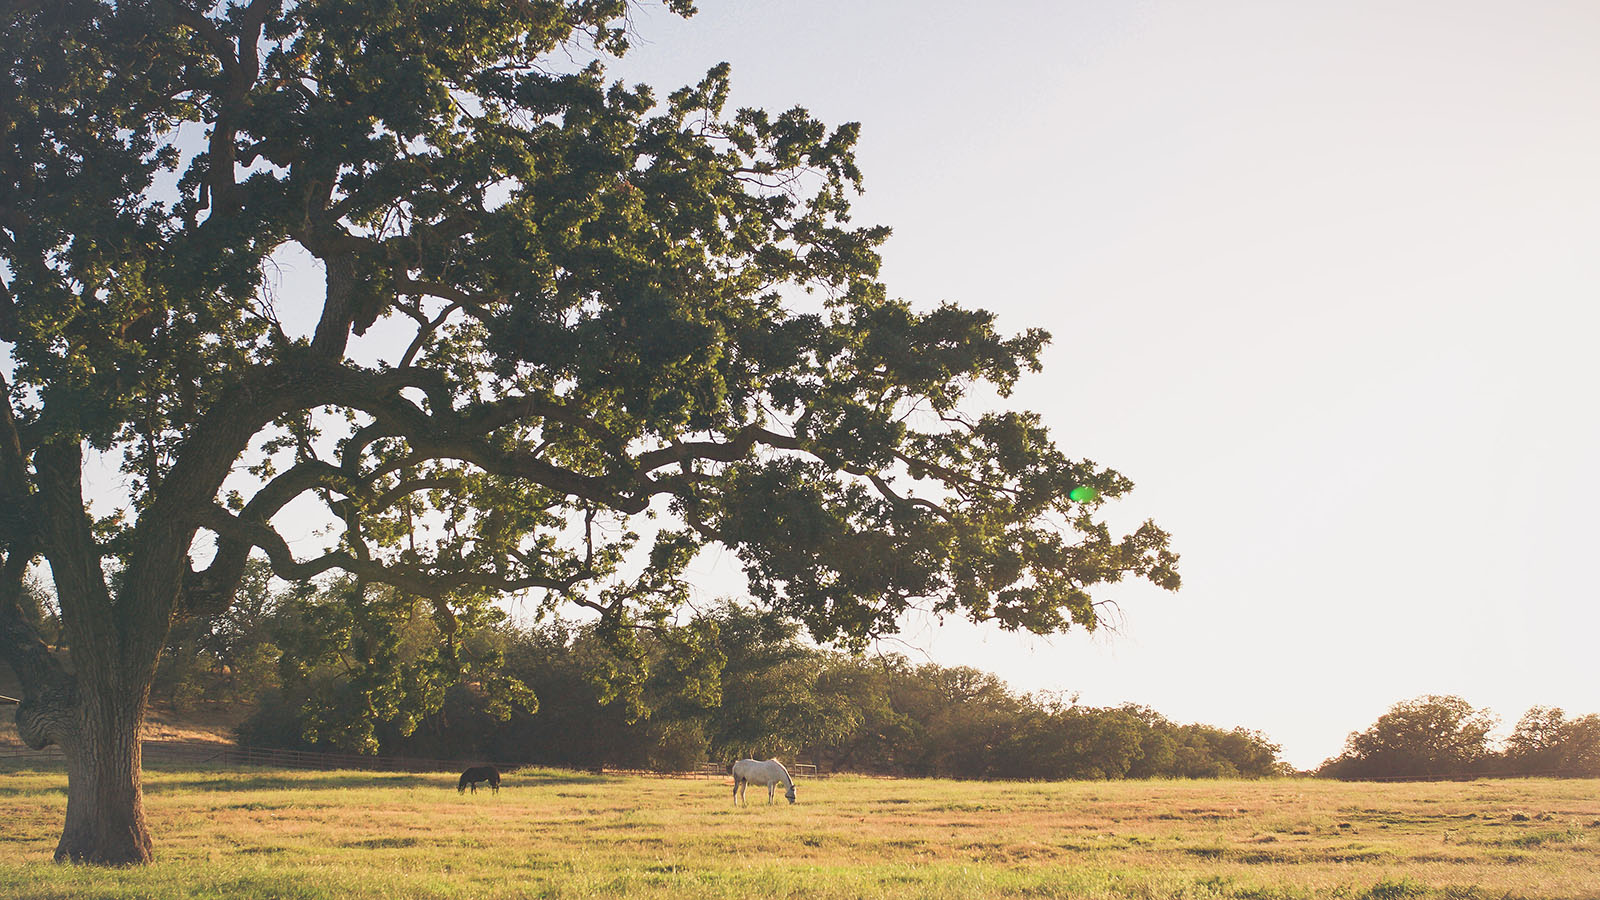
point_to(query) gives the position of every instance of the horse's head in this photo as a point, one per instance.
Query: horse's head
(790, 792)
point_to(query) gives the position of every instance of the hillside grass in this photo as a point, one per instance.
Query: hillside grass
(284, 834)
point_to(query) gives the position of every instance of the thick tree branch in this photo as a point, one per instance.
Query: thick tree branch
(21, 645)
(406, 488)
(412, 579)
(8, 304)
(13, 465)
(209, 592)
(484, 418)
(744, 440)
(68, 542)
(339, 307)
(204, 459)
(425, 331)
(240, 68)
(208, 31)
(206, 456)
(254, 19)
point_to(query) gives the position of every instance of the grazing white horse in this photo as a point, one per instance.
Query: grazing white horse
(770, 773)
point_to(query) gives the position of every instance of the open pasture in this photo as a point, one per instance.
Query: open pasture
(288, 834)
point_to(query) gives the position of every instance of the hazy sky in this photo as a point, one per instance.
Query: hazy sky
(1321, 282)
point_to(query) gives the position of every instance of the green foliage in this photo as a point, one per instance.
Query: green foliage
(230, 658)
(1430, 736)
(1071, 741)
(1444, 737)
(1395, 889)
(356, 659)
(731, 683)
(1547, 742)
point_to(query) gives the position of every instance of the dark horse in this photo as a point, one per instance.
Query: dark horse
(472, 776)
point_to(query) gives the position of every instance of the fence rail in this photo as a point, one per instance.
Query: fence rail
(718, 770)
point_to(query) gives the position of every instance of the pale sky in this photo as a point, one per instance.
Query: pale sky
(1321, 282)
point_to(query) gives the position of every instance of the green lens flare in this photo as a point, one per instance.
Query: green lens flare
(1084, 494)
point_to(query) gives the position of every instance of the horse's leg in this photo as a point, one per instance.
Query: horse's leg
(771, 785)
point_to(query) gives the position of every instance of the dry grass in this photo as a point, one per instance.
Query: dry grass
(155, 728)
(212, 724)
(267, 833)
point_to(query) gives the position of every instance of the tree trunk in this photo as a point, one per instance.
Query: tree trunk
(98, 732)
(105, 789)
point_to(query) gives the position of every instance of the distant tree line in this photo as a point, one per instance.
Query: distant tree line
(388, 676)
(1446, 737)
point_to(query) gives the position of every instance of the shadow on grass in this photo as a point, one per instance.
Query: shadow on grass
(276, 780)
(175, 778)
(53, 771)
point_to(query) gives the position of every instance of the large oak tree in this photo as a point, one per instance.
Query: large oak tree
(622, 308)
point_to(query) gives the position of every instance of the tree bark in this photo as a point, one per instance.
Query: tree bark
(98, 732)
(105, 790)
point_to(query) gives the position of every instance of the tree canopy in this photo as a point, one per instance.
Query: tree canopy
(637, 325)
(1430, 736)
(1446, 737)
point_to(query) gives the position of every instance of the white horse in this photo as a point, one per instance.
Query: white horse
(770, 773)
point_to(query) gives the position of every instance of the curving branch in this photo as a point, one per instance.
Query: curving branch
(425, 331)
(208, 592)
(67, 539)
(21, 644)
(410, 578)
(467, 436)
(208, 31)
(13, 458)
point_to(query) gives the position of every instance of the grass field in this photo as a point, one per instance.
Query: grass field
(281, 834)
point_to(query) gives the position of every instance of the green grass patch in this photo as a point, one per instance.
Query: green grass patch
(550, 834)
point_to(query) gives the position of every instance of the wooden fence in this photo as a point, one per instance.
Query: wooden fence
(718, 770)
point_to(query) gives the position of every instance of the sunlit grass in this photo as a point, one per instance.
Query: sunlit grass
(282, 834)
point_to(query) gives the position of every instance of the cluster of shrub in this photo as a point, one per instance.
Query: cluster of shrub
(1446, 737)
(384, 674)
